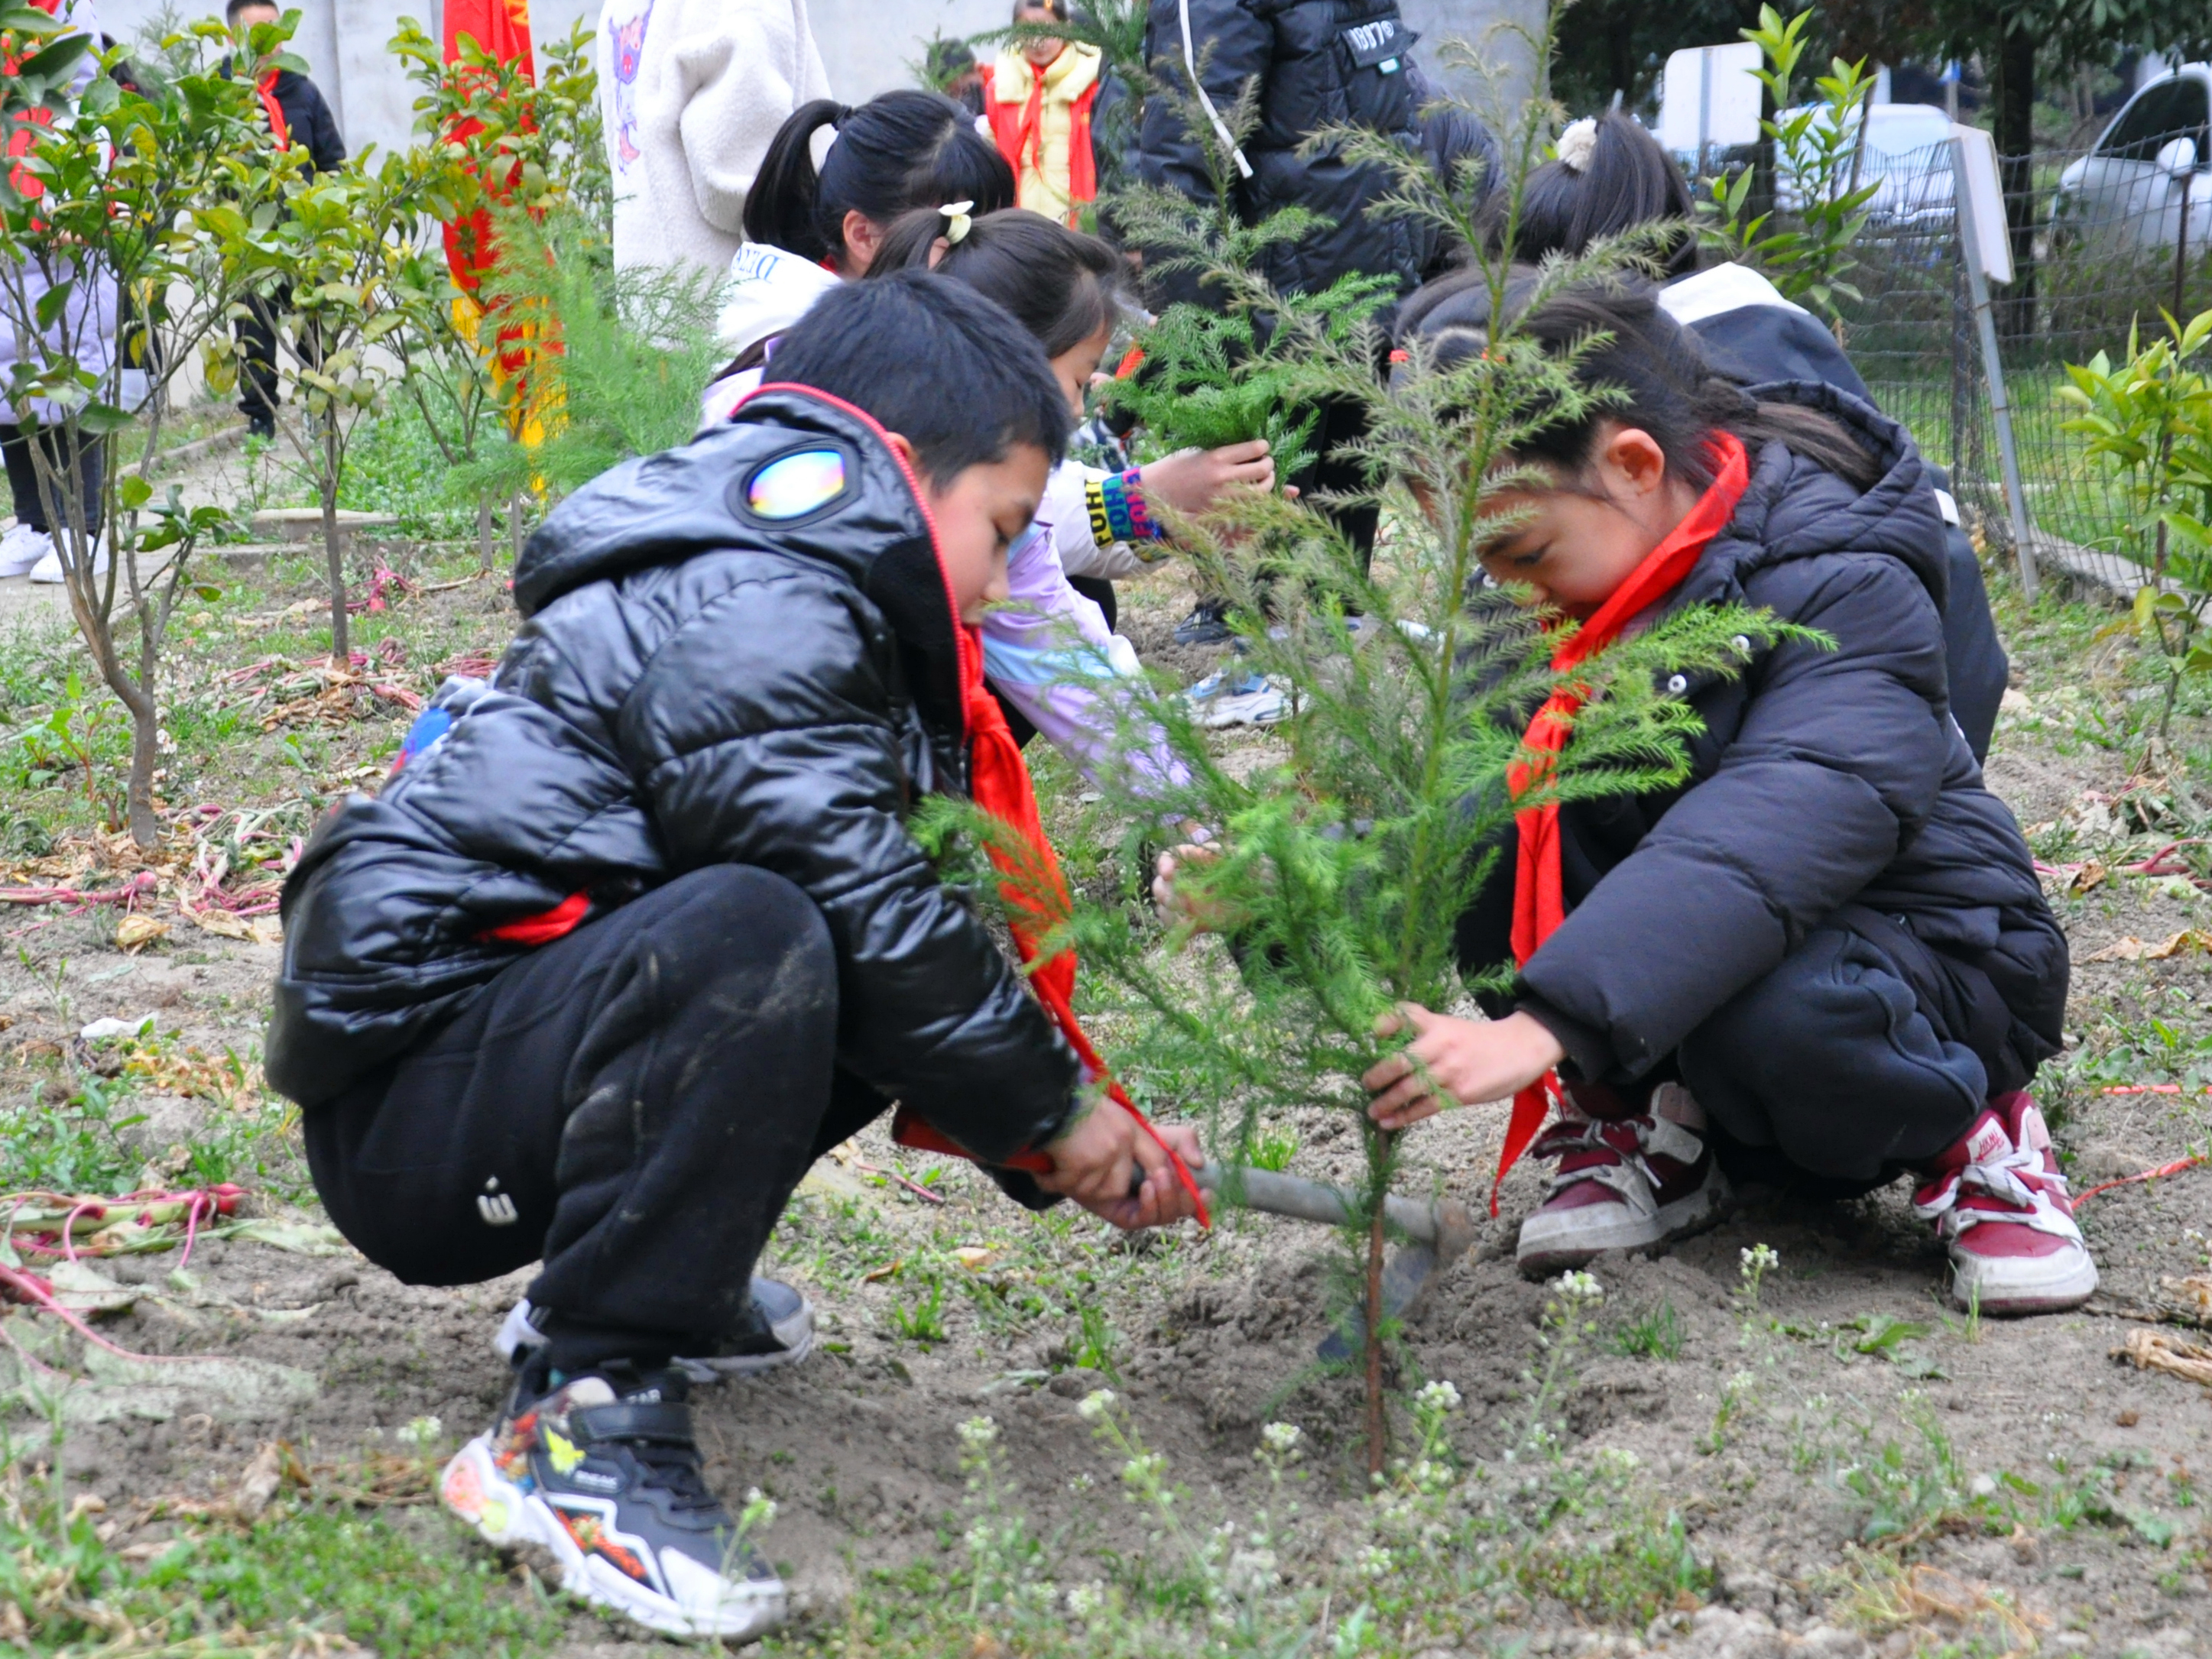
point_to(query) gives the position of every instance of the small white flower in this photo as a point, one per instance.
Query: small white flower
(977, 1433)
(1282, 1438)
(1374, 1562)
(1096, 1404)
(1251, 1572)
(1087, 1601)
(759, 1512)
(422, 1433)
(1761, 1258)
(1438, 1396)
(1579, 1287)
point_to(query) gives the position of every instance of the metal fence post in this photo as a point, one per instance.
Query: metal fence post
(1978, 289)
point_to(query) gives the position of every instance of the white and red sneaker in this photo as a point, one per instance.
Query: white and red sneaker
(2001, 1206)
(1624, 1183)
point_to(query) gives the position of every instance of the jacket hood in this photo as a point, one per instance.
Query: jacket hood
(1795, 508)
(794, 472)
(769, 291)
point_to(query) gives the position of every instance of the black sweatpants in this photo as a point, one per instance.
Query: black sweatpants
(23, 478)
(633, 1104)
(1864, 1054)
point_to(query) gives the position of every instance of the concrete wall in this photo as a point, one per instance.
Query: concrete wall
(867, 45)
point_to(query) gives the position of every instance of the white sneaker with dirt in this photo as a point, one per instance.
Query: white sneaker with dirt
(779, 1331)
(2002, 1208)
(1624, 1184)
(602, 1472)
(21, 548)
(1236, 696)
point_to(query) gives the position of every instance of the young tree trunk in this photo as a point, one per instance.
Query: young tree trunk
(145, 756)
(483, 529)
(2014, 91)
(1378, 1427)
(334, 553)
(514, 523)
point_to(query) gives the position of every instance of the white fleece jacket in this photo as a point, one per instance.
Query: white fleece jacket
(691, 91)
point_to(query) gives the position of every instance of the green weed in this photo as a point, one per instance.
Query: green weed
(921, 1320)
(1655, 1334)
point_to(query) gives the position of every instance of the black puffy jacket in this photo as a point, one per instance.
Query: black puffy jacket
(1318, 64)
(1825, 779)
(1755, 343)
(694, 684)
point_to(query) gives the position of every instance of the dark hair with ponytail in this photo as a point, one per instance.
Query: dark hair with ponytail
(1630, 180)
(1664, 385)
(904, 149)
(1059, 284)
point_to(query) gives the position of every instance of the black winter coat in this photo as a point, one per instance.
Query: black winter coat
(1754, 344)
(694, 684)
(1318, 62)
(1825, 778)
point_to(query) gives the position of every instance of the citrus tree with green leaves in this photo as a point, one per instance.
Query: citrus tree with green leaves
(1806, 251)
(2148, 418)
(326, 268)
(114, 191)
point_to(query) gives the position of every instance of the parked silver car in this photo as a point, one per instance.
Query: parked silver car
(2149, 167)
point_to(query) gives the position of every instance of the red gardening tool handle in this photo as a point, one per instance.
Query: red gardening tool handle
(910, 1130)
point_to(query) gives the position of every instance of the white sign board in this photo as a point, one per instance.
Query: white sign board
(1984, 201)
(1709, 95)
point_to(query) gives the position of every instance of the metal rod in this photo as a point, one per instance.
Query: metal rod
(1311, 1201)
(1977, 290)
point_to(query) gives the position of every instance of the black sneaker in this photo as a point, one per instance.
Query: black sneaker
(602, 1473)
(779, 1331)
(1208, 625)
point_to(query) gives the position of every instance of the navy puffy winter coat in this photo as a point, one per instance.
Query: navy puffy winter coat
(694, 683)
(1826, 778)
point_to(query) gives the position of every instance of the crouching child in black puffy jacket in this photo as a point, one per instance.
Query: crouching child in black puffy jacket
(1827, 955)
(609, 964)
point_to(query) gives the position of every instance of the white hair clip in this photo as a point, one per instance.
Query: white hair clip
(957, 221)
(1578, 144)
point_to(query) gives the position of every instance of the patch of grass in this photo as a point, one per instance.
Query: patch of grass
(920, 1318)
(298, 1575)
(360, 1576)
(1655, 1333)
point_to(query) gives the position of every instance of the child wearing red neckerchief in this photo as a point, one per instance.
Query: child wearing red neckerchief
(1824, 960)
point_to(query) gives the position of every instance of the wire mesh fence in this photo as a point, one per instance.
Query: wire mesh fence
(2102, 242)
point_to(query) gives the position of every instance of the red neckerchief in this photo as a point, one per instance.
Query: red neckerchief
(1539, 899)
(279, 127)
(1035, 890)
(1036, 897)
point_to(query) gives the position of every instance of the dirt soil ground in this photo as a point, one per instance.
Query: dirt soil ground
(1786, 1439)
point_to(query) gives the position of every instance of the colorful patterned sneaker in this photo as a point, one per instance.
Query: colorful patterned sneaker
(602, 1472)
(2001, 1206)
(1624, 1184)
(1235, 694)
(779, 1331)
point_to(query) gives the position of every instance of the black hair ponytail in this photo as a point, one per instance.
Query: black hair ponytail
(1626, 180)
(1059, 283)
(904, 149)
(1670, 391)
(1667, 388)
